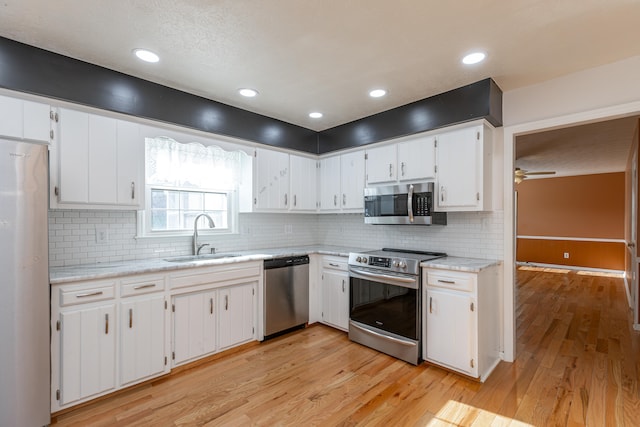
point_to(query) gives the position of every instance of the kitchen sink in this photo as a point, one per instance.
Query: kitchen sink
(204, 257)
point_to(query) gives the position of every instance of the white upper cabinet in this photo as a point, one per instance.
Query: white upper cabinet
(412, 159)
(464, 159)
(417, 159)
(382, 164)
(271, 180)
(100, 161)
(330, 184)
(352, 181)
(304, 183)
(24, 119)
(342, 183)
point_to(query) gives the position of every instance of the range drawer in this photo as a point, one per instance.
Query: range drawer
(455, 280)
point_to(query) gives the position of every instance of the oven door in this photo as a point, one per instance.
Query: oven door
(385, 301)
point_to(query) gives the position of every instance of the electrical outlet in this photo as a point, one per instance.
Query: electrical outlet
(288, 229)
(102, 234)
(566, 255)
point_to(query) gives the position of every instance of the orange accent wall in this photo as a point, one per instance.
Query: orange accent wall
(586, 207)
(605, 255)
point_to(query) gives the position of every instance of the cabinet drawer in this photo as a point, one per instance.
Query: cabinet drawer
(336, 263)
(86, 294)
(451, 280)
(141, 285)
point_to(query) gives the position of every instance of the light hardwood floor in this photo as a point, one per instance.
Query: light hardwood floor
(577, 364)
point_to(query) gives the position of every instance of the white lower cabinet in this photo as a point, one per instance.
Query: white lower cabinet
(194, 326)
(461, 320)
(88, 356)
(335, 292)
(237, 313)
(142, 338)
(83, 342)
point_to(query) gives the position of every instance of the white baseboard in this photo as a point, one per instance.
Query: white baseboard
(569, 267)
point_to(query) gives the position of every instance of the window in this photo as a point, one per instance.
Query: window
(185, 180)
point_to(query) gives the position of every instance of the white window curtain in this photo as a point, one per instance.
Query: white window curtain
(170, 163)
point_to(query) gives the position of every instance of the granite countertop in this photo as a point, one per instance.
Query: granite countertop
(122, 268)
(77, 273)
(472, 265)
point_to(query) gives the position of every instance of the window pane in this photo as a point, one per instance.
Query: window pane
(192, 201)
(158, 199)
(215, 201)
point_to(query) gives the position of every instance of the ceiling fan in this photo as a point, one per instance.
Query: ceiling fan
(520, 175)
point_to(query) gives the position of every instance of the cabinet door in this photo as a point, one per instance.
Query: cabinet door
(417, 159)
(236, 308)
(381, 164)
(36, 121)
(330, 184)
(303, 183)
(271, 187)
(102, 160)
(87, 352)
(335, 298)
(352, 181)
(451, 330)
(142, 335)
(194, 326)
(459, 157)
(130, 164)
(11, 113)
(73, 153)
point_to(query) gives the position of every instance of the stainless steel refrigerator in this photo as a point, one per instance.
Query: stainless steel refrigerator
(24, 285)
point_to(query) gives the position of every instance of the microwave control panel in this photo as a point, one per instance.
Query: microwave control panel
(422, 204)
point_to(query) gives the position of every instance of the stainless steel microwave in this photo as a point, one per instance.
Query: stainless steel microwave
(402, 204)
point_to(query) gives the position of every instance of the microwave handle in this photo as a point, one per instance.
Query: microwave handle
(410, 203)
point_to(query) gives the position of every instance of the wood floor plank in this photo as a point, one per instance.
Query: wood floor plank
(577, 364)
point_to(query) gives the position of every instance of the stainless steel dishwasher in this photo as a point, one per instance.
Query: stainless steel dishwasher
(286, 294)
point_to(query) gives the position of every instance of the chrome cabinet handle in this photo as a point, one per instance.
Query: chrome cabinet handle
(402, 168)
(148, 285)
(295, 200)
(285, 199)
(442, 193)
(344, 199)
(430, 304)
(211, 306)
(226, 302)
(390, 170)
(130, 318)
(333, 265)
(89, 294)
(335, 200)
(133, 190)
(106, 324)
(449, 282)
(342, 285)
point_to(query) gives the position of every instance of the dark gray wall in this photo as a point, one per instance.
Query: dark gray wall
(36, 71)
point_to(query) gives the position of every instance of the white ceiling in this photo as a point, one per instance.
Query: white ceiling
(593, 148)
(326, 55)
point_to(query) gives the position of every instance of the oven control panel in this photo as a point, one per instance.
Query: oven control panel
(377, 261)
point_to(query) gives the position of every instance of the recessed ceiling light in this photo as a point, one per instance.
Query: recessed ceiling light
(315, 115)
(377, 93)
(146, 55)
(474, 58)
(249, 93)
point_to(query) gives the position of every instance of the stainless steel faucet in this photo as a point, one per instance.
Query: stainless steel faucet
(196, 248)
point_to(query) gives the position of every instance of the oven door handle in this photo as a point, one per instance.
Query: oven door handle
(379, 335)
(405, 282)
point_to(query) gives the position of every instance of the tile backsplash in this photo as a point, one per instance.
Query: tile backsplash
(72, 235)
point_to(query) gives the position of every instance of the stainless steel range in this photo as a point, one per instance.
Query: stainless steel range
(384, 303)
